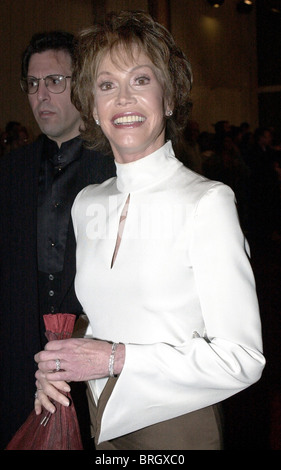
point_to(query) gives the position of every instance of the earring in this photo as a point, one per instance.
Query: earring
(169, 113)
(97, 122)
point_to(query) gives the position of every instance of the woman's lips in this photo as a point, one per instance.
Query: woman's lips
(128, 120)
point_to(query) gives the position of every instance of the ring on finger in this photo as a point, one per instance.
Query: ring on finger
(57, 365)
(36, 393)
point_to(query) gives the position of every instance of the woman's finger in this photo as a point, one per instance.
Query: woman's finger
(48, 391)
(60, 385)
(37, 406)
(52, 365)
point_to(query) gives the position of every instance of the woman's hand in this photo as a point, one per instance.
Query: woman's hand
(79, 360)
(71, 360)
(48, 392)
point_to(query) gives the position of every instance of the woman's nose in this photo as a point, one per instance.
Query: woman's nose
(125, 95)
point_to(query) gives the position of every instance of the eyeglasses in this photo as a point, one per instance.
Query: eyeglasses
(54, 83)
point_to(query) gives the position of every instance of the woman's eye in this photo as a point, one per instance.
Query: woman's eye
(142, 80)
(106, 86)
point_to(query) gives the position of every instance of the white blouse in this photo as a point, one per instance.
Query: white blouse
(180, 294)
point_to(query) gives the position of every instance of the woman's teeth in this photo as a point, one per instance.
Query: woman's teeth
(128, 120)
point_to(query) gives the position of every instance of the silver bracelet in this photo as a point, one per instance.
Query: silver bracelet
(111, 360)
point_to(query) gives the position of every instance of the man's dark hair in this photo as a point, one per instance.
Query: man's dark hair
(41, 42)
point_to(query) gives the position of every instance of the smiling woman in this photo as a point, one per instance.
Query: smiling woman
(162, 271)
(130, 105)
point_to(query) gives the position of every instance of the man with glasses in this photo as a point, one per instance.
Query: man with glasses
(38, 184)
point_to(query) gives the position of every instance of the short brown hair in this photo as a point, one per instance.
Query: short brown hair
(126, 29)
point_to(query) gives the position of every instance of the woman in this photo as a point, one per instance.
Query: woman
(162, 273)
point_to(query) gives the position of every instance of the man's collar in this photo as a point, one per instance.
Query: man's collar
(65, 154)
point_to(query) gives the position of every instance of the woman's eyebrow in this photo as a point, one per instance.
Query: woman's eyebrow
(133, 69)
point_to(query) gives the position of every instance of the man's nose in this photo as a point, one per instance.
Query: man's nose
(43, 92)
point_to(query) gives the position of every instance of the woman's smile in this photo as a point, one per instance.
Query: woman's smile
(128, 120)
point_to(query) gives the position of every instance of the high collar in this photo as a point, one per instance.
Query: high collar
(146, 171)
(63, 155)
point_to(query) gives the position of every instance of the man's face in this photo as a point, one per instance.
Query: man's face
(55, 114)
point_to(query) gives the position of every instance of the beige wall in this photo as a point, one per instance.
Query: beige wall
(220, 43)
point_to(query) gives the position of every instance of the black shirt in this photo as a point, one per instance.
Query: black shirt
(56, 193)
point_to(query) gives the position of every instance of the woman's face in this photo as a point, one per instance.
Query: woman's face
(129, 105)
